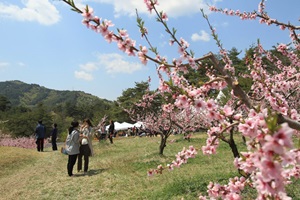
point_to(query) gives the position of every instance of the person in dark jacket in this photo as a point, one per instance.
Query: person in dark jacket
(111, 131)
(54, 137)
(40, 132)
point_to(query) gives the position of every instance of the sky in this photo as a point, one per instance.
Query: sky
(43, 42)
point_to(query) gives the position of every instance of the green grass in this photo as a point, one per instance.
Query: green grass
(117, 171)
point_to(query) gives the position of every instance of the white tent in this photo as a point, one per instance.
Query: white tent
(126, 125)
(220, 95)
(139, 124)
(117, 125)
(121, 126)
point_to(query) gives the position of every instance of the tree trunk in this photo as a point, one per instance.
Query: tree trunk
(162, 145)
(234, 148)
(235, 152)
(244, 140)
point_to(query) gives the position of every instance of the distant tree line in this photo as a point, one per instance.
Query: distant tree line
(20, 119)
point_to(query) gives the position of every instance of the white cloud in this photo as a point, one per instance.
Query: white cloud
(83, 75)
(3, 65)
(225, 24)
(203, 36)
(41, 11)
(90, 66)
(115, 63)
(21, 64)
(172, 8)
(162, 44)
(111, 63)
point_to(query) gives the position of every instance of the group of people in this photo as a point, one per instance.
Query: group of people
(78, 143)
(40, 134)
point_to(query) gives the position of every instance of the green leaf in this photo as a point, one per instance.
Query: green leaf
(174, 31)
(271, 121)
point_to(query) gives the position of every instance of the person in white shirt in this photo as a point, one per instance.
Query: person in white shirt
(86, 148)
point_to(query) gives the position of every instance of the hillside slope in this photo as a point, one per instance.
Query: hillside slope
(20, 93)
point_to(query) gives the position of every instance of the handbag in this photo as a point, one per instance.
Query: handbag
(63, 151)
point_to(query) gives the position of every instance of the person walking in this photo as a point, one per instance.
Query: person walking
(40, 132)
(72, 146)
(86, 148)
(111, 131)
(54, 137)
(103, 132)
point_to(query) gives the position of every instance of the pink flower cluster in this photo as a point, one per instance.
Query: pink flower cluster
(212, 142)
(142, 55)
(270, 162)
(151, 4)
(232, 191)
(242, 15)
(22, 142)
(181, 158)
(264, 19)
(122, 39)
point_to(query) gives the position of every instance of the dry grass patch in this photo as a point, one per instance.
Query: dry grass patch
(14, 158)
(117, 171)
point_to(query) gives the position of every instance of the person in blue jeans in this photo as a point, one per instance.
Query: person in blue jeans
(40, 132)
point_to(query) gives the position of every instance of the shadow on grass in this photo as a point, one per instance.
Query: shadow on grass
(92, 172)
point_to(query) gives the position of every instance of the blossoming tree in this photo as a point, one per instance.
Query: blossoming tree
(266, 115)
(166, 119)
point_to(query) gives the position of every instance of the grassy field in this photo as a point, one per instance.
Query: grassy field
(117, 171)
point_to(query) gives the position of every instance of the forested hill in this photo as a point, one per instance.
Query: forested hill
(23, 94)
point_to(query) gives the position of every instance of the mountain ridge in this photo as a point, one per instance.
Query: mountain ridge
(23, 94)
